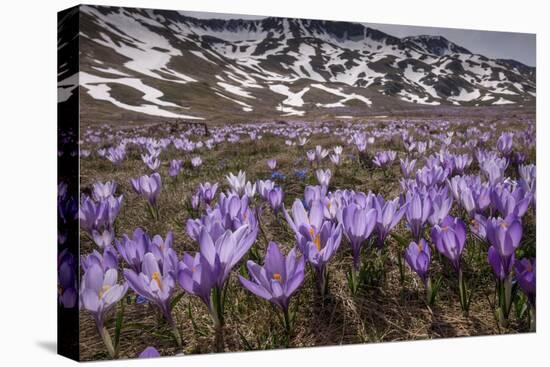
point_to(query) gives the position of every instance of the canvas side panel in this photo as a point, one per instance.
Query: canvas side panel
(67, 175)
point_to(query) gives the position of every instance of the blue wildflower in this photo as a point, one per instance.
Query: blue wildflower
(301, 174)
(277, 176)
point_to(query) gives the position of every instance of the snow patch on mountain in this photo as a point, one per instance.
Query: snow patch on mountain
(293, 99)
(338, 92)
(233, 89)
(149, 52)
(98, 88)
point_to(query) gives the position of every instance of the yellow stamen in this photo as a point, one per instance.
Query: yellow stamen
(420, 247)
(157, 278)
(311, 232)
(104, 290)
(277, 277)
(504, 225)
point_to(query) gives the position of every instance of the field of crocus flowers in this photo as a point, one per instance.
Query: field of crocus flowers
(290, 234)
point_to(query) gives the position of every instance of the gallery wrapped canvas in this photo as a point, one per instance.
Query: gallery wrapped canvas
(232, 182)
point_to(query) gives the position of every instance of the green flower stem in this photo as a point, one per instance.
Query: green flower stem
(107, 341)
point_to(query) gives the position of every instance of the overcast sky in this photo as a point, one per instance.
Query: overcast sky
(502, 45)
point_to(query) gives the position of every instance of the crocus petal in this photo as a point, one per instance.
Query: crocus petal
(255, 288)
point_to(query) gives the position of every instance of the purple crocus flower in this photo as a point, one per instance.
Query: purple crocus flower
(175, 167)
(272, 164)
(441, 205)
(494, 169)
(418, 256)
(156, 284)
(134, 249)
(331, 207)
(323, 176)
(197, 277)
(431, 176)
(419, 209)
(151, 161)
(149, 352)
(313, 193)
(66, 278)
(467, 201)
(104, 237)
(505, 143)
(148, 186)
(237, 182)
(97, 218)
(278, 279)
(528, 177)
(389, 214)
(207, 192)
(526, 276)
(205, 274)
(227, 250)
(335, 159)
(504, 234)
(358, 224)
(165, 254)
(99, 293)
(264, 187)
(195, 201)
(407, 167)
(306, 225)
(320, 153)
(107, 260)
(275, 199)
(196, 162)
(310, 155)
(501, 266)
(510, 201)
(478, 226)
(449, 238)
(102, 191)
(384, 158)
(460, 163)
(116, 155)
(234, 211)
(321, 249)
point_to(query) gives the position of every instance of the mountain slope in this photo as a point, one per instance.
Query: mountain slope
(166, 64)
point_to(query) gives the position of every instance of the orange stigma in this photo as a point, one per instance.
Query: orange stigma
(317, 242)
(419, 247)
(157, 278)
(277, 277)
(504, 225)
